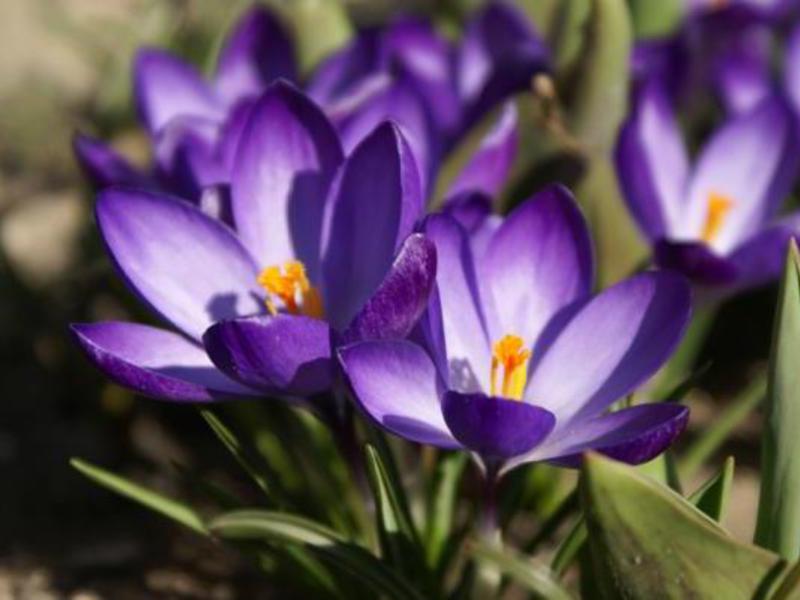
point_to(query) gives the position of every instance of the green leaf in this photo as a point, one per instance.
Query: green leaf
(570, 547)
(717, 432)
(531, 575)
(172, 509)
(656, 19)
(712, 496)
(648, 542)
(778, 525)
(326, 544)
(245, 456)
(400, 544)
(442, 503)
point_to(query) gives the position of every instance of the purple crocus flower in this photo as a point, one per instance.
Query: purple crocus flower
(714, 221)
(518, 361)
(405, 72)
(194, 123)
(323, 251)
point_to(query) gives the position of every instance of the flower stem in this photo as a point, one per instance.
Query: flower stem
(488, 577)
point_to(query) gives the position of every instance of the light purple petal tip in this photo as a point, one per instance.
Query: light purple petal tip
(155, 362)
(396, 384)
(165, 87)
(104, 167)
(287, 156)
(191, 269)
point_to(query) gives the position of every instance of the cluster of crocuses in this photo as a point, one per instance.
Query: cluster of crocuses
(283, 237)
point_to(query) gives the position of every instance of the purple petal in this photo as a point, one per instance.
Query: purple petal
(652, 163)
(633, 435)
(612, 344)
(469, 209)
(489, 168)
(399, 101)
(338, 73)
(696, 261)
(104, 167)
(398, 303)
(428, 58)
(285, 353)
(791, 73)
(499, 55)
(396, 384)
(496, 428)
(751, 161)
(373, 207)
(538, 262)
(742, 71)
(760, 259)
(258, 51)
(185, 152)
(155, 362)
(190, 268)
(165, 87)
(458, 308)
(215, 201)
(286, 159)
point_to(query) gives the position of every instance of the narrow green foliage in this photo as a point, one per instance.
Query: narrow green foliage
(534, 577)
(172, 509)
(442, 504)
(779, 507)
(656, 19)
(712, 497)
(324, 543)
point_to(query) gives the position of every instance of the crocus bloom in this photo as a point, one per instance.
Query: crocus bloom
(322, 251)
(714, 221)
(518, 361)
(195, 123)
(404, 72)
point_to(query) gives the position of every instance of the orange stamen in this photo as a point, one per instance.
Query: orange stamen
(290, 285)
(510, 353)
(719, 206)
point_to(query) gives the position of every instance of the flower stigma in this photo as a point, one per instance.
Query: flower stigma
(719, 206)
(511, 354)
(289, 284)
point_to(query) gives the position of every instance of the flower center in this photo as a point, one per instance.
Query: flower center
(719, 206)
(511, 354)
(289, 284)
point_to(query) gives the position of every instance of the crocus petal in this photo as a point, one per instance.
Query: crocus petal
(398, 303)
(165, 87)
(286, 159)
(155, 362)
(496, 428)
(396, 384)
(427, 57)
(696, 261)
(612, 344)
(398, 101)
(652, 162)
(488, 169)
(459, 311)
(499, 55)
(284, 353)
(258, 51)
(742, 72)
(185, 154)
(469, 209)
(336, 74)
(791, 73)
(761, 258)
(750, 161)
(632, 435)
(215, 201)
(188, 267)
(104, 167)
(373, 208)
(538, 262)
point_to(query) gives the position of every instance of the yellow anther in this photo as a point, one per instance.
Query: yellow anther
(511, 354)
(719, 206)
(290, 285)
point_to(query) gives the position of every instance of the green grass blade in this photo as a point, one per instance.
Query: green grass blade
(712, 496)
(533, 576)
(172, 509)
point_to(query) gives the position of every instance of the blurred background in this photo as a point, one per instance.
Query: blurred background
(65, 66)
